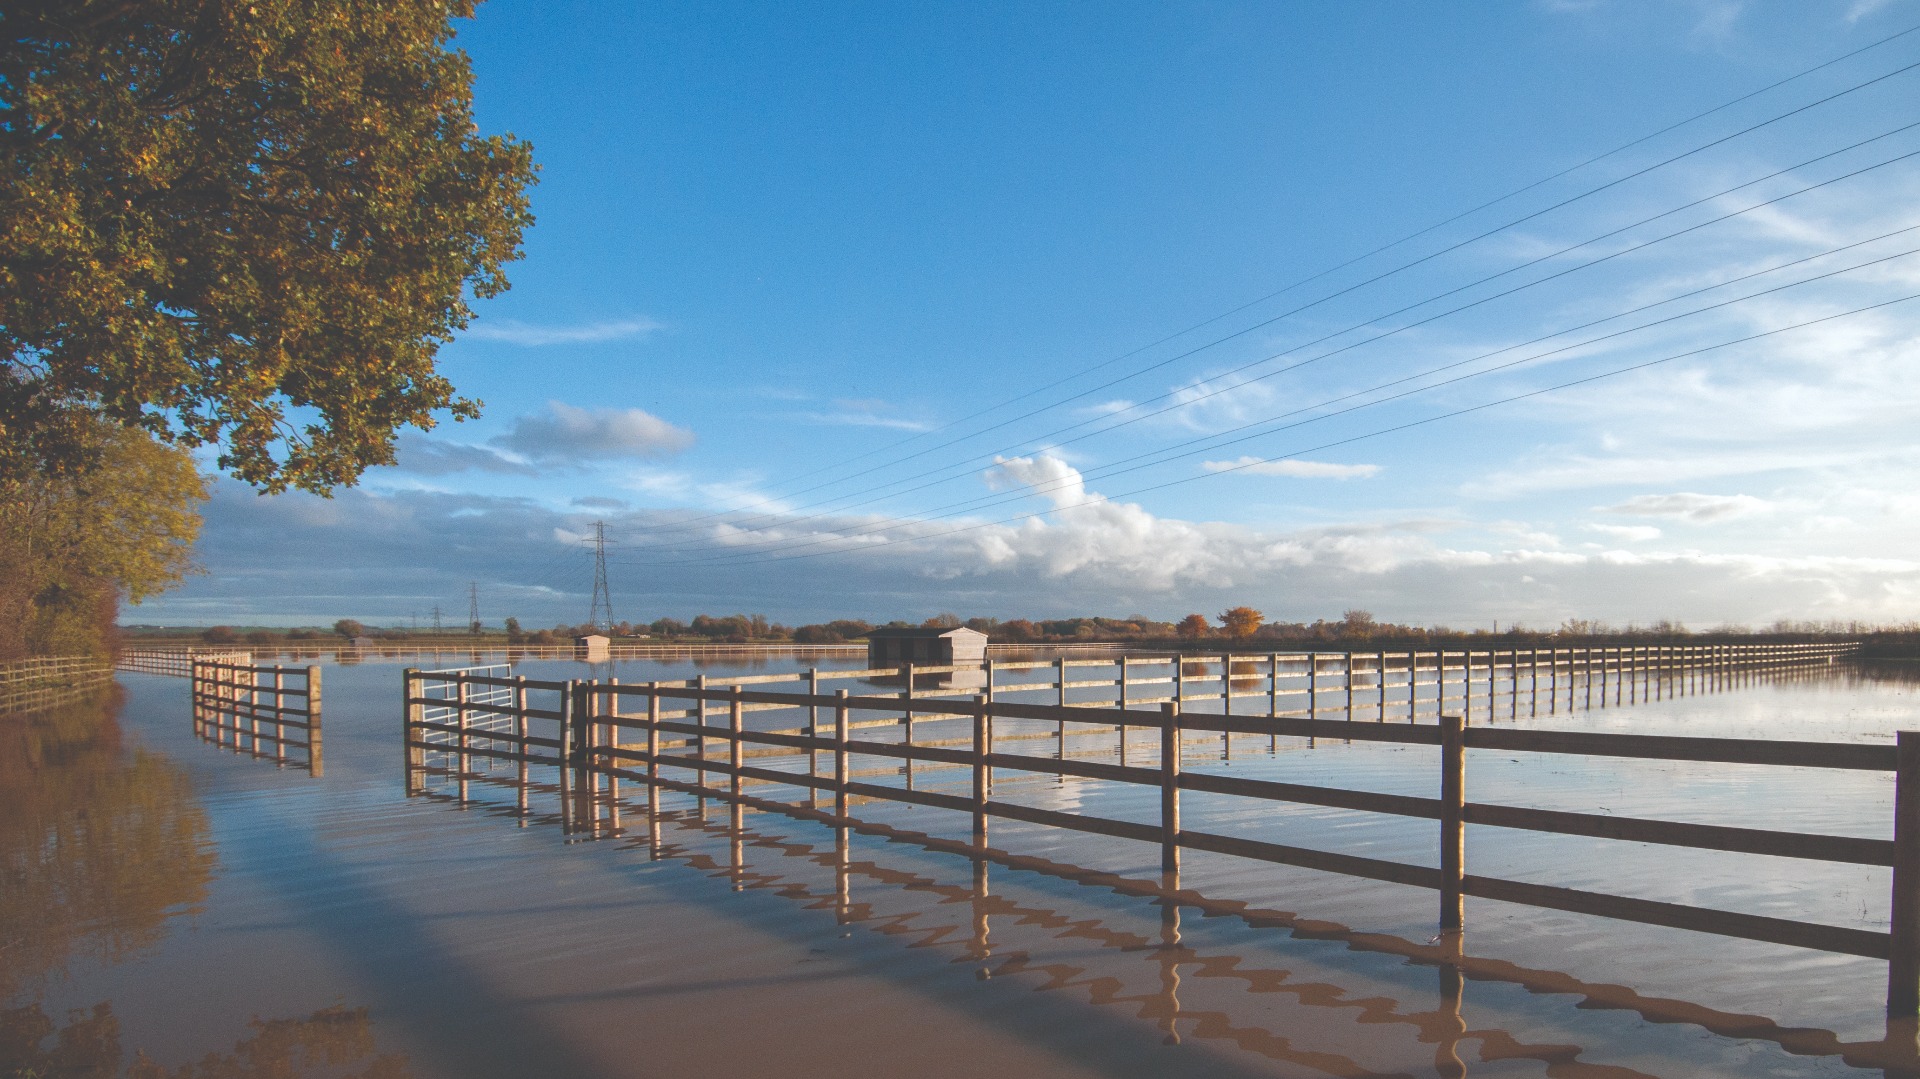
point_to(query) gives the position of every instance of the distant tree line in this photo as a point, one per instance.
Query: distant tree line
(1240, 627)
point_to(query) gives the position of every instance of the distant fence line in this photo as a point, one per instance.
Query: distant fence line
(267, 712)
(604, 732)
(28, 685)
(174, 662)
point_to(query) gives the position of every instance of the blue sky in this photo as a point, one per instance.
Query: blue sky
(781, 247)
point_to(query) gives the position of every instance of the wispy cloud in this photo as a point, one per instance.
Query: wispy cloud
(1629, 533)
(1686, 505)
(1316, 470)
(865, 413)
(514, 332)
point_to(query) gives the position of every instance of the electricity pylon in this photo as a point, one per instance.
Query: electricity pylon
(600, 614)
(473, 607)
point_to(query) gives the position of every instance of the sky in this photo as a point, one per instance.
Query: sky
(1510, 312)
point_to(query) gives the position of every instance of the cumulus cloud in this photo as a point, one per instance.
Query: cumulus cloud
(520, 333)
(565, 433)
(1255, 466)
(369, 555)
(1686, 505)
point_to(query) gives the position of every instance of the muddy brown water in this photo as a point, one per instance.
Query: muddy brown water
(171, 909)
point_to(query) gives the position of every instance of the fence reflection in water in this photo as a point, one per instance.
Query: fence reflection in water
(271, 712)
(749, 855)
(606, 732)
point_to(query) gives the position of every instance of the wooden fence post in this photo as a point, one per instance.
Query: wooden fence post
(1453, 832)
(1060, 727)
(521, 730)
(409, 733)
(840, 753)
(1170, 786)
(981, 749)
(734, 755)
(700, 746)
(1903, 966)
(1226, 703)
(316, 760)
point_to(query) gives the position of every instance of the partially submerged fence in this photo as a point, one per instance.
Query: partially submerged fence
(31, 684)
(665, 735)
(174, 662)
(268, 712)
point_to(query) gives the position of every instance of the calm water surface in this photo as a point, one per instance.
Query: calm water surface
(173, 909)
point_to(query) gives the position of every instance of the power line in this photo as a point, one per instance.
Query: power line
(1405, 239)
(970, 463)
(1360, 437)
(1219, 440)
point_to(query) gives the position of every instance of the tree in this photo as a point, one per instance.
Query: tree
(347, 627)
(1193, 627)
(119, 523)
(1241, 622)
(244, 225)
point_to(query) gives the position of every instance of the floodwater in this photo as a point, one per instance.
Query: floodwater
(174, 909)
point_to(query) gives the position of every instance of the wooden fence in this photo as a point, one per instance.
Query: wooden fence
(235, 704)
(32, 684)
(664, 735)
(174, 662)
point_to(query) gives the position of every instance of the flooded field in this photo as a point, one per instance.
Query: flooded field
(173, 908)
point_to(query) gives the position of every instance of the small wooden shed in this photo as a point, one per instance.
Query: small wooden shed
(957, 647)
(593, 644)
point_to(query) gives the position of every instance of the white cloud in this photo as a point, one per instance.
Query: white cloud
(864, 413)
(1254, 466)
(514, 332)
(566, 434)
(1686, 505)
(1628, 533)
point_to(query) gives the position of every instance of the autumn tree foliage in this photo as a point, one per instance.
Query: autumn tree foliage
(1193, 627)
(244, 225)
(1241, 623)
(117, 523)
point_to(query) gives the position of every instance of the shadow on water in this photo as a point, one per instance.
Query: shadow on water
(102, 848)
(749, 859)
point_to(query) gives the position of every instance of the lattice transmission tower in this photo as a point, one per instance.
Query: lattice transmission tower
(600, 615)
(473, 607)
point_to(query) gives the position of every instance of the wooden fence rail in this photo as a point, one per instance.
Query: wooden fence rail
(32, 684)
(269, 712)
(174, 662)
(665, 736)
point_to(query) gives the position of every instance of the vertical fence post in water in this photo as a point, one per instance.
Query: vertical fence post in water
(409, 733)
(522, 751)
(734, 755)
(279, 715)
(1381, 659)
(1273, 696)
(906, 763)
(460, 720)
(700, 745)
(1226, 703)
(1060, 726)
(840, 754)
(1170, 786)
(1453, 830)
(316, 763)
(1903, 966)
(813, 737)
(981, 749)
